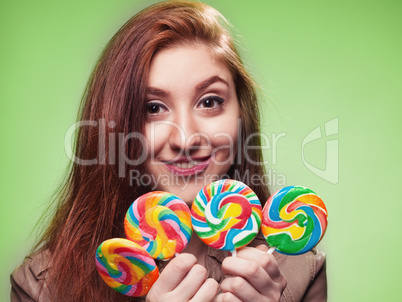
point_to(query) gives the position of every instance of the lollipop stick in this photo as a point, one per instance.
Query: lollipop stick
(234, 253)
(271, 250)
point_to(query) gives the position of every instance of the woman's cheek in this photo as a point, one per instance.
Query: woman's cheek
(224, 133)
(156, 137)
(224, 145)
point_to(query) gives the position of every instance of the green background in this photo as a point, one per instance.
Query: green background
(315, 61)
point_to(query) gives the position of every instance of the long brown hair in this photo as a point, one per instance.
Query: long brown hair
(96, 195)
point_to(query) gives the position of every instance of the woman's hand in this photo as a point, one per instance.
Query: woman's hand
(183, 280)
(253, 275)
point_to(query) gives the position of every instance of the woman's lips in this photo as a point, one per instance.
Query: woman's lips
(188, 168)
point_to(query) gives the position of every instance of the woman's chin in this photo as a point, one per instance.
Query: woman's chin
(187, 192)
(187, 195)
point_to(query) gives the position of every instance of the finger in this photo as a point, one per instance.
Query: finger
(174, 273)
(260, 256)
(191, 283)
(240, 288)
(250, 271)
(262, 247)
(207, 291)
(227, 297)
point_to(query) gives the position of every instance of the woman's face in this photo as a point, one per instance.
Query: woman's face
(192, 120)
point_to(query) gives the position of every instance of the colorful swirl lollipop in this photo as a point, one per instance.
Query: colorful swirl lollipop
(294, 220)
(226, 214)
(126, 267)
(160, 222)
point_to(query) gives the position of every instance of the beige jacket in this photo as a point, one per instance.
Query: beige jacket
(305, 275)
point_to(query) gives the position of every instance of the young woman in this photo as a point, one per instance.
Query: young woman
(168, 107)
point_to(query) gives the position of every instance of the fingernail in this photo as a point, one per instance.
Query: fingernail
(262, 247)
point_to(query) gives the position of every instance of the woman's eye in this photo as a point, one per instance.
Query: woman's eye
(155, 108)
(211, 102)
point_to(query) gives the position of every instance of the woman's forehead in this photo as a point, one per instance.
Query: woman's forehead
(187, 64)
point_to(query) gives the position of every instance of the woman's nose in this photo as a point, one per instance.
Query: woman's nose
(184, 134)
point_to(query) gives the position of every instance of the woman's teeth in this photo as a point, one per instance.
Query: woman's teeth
(186, 165)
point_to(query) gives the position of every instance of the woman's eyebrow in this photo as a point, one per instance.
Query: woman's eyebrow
(158, 92)
(204, 84)
(199, 87)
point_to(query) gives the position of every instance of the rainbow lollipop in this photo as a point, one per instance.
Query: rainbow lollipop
(294, 220)
(126, 267)
(160, 222)
(226, 214)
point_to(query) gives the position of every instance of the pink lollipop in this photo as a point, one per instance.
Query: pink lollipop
(126, 267)
(160, 222)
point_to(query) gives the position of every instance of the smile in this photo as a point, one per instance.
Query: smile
(188, 168)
